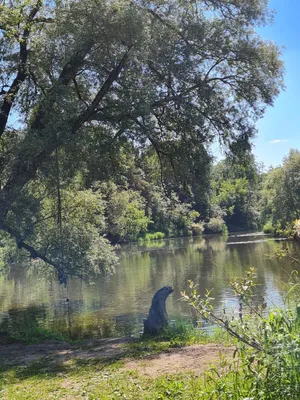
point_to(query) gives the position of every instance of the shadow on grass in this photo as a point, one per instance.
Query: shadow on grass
(46, 368)
(63, 358)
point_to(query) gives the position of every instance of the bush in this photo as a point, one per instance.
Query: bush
(268, 228)
(197, 228)
(288, 231)
(215, 225)
(267, 356)
(154, 236)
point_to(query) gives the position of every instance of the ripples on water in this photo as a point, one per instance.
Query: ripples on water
(117, 304)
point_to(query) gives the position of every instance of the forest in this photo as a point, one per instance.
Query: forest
(109, 115)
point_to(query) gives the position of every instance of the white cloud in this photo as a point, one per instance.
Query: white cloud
(278, 141)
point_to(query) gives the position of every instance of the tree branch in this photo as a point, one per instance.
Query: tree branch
(23, 172)
(33, 252)
(173, 28)
(43, 20)
(11, 94)
(112, 77)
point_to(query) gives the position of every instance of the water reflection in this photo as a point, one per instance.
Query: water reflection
(117, 304)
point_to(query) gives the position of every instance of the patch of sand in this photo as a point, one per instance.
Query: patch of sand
(196, 358)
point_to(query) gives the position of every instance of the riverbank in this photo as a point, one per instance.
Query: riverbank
(105, 369)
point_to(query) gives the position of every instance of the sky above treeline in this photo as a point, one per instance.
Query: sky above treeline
(279, 130)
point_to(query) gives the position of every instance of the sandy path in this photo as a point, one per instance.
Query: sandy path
(196, 358)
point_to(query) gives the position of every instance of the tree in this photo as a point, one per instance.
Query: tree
(174, 75)
(235, 192)
(125, 213)
(281, 192)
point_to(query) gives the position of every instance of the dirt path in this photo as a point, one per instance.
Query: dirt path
(60, 351)
(196, 358)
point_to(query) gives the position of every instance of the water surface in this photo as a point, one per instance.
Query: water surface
(117, 304)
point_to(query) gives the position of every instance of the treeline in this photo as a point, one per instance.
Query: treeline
(234, 194)
(127, 194)
(245, 196)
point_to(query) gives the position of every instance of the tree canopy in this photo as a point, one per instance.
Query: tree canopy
(91, 81)
(281, 192)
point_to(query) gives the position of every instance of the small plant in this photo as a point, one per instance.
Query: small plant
(153, 236)
(268, 228)
(34, 334)
(267, 357)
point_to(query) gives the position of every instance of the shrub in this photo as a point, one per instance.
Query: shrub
(197, 228)
(268, 228)
(154, 236)
(215, 225)
(267, 356)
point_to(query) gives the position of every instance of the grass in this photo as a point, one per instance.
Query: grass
(179, 334)
(100, 380)
(104, 378)
(31, 335)
(72, 381)
(153, 236)
(251, 375)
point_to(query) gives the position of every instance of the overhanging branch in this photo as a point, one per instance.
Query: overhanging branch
(33, 252)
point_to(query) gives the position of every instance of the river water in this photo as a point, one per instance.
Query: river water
(117, 304)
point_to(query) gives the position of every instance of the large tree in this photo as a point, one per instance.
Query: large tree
(175, 75)
(281, 192)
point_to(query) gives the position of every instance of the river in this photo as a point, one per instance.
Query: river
(117, 304)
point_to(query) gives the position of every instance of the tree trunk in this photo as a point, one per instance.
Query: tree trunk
(158, 318)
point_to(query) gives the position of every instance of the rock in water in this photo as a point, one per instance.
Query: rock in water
(158, 318)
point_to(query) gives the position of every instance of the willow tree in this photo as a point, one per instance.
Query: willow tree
(172, 74)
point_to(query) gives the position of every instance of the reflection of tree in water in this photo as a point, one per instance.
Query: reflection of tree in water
(216, 242)
(16, 320)
(117, 304)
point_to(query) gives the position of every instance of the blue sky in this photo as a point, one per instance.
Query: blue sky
(279, 130)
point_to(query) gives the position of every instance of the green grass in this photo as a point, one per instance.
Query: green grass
(251, 375)
(30, 335)
(100, 379)
(154, 236)
(179, 334)
(103, 378)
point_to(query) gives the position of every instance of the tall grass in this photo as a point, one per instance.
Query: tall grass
(154, 236)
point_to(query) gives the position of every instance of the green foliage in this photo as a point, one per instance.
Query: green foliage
(268, 228)
(197, 228)
(215, 225)
(179, 333)
(170, 215)
(267, 346)
(35, 334)
(235, 192)
(96, 84)
(154, 236)
(124, 213)
(281, 193)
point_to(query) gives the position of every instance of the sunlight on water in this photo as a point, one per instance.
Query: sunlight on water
(117, 304)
